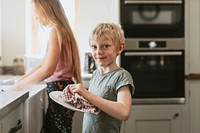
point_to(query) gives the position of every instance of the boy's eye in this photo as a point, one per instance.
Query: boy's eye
(94, 47)
(106, 46)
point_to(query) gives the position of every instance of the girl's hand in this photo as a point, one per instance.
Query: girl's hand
(15, 88)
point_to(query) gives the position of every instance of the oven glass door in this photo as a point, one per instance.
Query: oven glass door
(156, 74)
(153, 19)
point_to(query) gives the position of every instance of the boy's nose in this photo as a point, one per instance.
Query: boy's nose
(99, 51)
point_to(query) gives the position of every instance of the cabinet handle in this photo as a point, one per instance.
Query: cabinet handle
(176, 115)
(153, 2)
(177, 53)
(17, 128)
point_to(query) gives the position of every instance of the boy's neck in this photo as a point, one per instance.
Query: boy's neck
(108, 69)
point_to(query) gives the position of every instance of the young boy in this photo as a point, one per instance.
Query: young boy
(111, 87)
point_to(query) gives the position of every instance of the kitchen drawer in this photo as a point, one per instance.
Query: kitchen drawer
(13, 121)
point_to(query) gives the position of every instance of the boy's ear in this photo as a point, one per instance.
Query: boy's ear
(121, 48)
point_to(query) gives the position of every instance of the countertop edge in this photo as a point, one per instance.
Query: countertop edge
(14, 103)
(192, 76)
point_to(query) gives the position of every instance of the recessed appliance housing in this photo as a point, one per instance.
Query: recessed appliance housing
(152, 18)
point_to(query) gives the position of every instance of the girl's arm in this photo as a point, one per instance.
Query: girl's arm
(29, 73)
(47, 67)
(120, 109)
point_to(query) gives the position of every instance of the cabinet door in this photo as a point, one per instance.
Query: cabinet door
(77, 122)
(192, 35)
(12, 123)
(1, 127)
(159, 119)
(34, 109)
(194, 107)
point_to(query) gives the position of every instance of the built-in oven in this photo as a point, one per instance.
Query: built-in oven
(157, 67)
(152, 18)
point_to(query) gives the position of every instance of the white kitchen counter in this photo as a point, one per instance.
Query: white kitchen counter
(10, 100)
(35, 102)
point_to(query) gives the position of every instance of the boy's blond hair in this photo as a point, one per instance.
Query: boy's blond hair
(112, 30)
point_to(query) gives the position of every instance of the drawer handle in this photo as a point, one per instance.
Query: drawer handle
(17, 128)
(176, 115)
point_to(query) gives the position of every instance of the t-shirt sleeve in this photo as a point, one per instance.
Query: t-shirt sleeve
(125, 79)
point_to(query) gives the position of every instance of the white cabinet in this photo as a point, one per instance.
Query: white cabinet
(155, 119)
(194, 106)
(1, 126)
(77, 122)
(13, 121)
(193, 62)
(192, 34)
(148, 119)
(34, 109)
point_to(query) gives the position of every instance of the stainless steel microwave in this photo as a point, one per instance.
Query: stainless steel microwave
(152, 18)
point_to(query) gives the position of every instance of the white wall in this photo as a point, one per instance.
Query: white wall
(92, 12)
(13, 30)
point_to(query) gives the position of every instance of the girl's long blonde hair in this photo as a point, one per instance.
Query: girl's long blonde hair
(51, 12)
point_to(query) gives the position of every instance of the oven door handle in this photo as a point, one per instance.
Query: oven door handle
(153, 2)
(177, 53)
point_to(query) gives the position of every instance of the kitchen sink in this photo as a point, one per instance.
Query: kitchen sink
(8, 79)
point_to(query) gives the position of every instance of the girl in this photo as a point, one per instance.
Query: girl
(60, 67)
(111, 87)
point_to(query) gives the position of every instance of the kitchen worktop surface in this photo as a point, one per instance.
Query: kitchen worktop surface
(9, 100)
(195, 76)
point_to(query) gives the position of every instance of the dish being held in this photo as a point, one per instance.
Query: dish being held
(73, 101)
